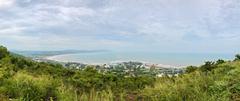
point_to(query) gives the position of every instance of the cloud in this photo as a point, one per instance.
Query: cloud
(121, 24)
(6, 3)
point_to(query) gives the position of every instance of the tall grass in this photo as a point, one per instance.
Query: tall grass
(221, 84)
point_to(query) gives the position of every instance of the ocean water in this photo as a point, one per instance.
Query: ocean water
(173, 59)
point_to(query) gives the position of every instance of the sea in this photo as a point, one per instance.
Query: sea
(172, 59)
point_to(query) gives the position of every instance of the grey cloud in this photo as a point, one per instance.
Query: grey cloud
(129, 22)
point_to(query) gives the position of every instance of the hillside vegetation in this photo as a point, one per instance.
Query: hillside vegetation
(22, 79)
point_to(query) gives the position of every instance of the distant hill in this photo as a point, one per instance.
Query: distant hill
(52, 53)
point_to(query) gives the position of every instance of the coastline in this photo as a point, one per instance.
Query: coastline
(60, 58)
(162, 60)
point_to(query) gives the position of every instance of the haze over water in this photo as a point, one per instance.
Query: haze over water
(173, 59)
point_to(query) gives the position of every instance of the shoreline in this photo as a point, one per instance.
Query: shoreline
(56, 58)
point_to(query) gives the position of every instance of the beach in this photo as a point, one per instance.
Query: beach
(164, 59)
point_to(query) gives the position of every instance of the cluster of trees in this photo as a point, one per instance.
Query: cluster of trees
(209, 65)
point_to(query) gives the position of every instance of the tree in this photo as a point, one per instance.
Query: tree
(220, 61)
(191, 69)
(208, 66)
(237, 57)
(3, 52)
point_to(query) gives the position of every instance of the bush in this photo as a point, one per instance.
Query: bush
(220, 61)
(26, 87)
(191, 69)
(208, 66)
(237, 57)
(3, 52)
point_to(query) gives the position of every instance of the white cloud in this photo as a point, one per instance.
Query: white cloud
(6, 3)
(11, 30)
(119, 23)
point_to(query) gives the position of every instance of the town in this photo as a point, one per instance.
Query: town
(130, 68)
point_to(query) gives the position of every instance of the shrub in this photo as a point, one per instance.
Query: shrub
(3, 52)
(220, 61)
(208, 66)
(191, 69)
(26, 87)
(237, 57)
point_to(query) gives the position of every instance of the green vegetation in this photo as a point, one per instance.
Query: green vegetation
(212, 81)
(3, 52)
(237, 57)
(22, 79)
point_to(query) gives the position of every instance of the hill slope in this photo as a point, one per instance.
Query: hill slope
(24, 79)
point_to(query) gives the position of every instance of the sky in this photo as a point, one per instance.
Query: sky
(204, 26)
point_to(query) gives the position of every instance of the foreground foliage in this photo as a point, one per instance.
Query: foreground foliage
(22, 79)
(209, 82)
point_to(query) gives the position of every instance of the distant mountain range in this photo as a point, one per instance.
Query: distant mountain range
(52, 53)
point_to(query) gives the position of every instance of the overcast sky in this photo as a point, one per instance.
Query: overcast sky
(125, 25)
